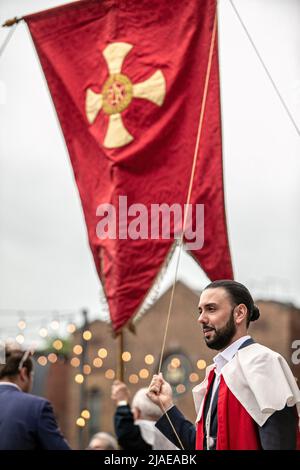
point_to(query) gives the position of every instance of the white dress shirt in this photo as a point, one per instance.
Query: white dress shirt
(222, 358)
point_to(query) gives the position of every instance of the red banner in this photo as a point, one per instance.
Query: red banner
(127, 79)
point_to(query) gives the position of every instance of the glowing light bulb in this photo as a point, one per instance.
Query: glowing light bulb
(102, 353)
(97, 362)
(54, 325)
(126, 356)
(144, 373)
(110, 374)
(149, 359)
(52, 357)
(22, 324)
(87, 369)
(43, 332)
(80, 422)
(180, 388)
(42, 360)
(20, 339)
(87, 335)
(71, 328)
(201, 364)
(86, 414)
(175, 363)
(194, 377)
(57, 344)
(77, 349)
(133, 379)
(79, 378)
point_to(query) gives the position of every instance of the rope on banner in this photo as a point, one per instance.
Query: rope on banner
(191, 181)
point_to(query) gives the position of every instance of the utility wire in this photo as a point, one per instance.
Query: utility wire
(266, 69)
(8, 38)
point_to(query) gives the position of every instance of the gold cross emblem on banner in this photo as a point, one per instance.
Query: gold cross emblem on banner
(117, 93)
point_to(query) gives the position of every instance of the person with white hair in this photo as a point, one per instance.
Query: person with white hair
(103, 441)
(135, 427)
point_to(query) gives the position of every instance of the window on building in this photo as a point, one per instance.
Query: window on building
(94, 406)
(176, 369)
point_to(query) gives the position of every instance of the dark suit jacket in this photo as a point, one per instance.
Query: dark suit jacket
(278, 433)
(27, 422)
(128, 434)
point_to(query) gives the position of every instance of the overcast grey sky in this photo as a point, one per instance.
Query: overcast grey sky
(45, 262)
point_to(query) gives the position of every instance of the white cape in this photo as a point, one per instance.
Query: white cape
(260, 379)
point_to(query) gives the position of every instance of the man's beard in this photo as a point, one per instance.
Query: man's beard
(223, 336)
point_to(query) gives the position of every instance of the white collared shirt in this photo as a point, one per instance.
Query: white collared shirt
(12, 384)
(222, 358)
(220, 361)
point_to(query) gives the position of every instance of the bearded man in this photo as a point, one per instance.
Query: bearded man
(249, 399)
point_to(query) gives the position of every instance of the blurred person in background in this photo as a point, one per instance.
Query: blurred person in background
(27, 422)
(135, 426)
(103, 441)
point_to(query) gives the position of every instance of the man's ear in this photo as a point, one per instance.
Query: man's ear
(240, 313)
(136, 413)
(23, 374)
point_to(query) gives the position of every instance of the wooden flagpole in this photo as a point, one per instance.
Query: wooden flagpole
(11, 22)
(120, 350)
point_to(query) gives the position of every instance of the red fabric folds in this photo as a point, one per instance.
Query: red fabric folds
(236, 429)
(150, 162)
